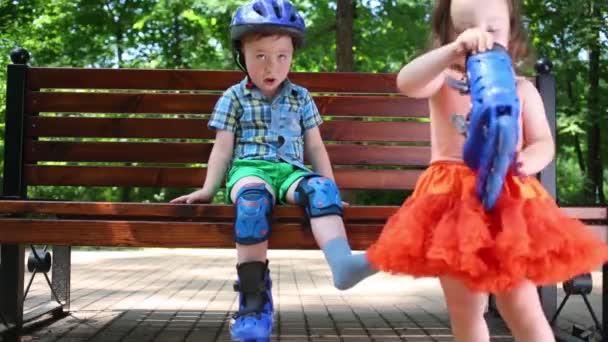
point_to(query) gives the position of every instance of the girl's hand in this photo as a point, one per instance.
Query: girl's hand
(199, 196)
(518, 167)
(473, 40)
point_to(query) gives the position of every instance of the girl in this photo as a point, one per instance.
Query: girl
(442, 229)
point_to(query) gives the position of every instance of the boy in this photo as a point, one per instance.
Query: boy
(264, 125)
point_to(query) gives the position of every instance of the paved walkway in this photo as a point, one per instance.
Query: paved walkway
(186, 295)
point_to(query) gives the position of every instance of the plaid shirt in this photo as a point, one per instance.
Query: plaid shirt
(267, 130)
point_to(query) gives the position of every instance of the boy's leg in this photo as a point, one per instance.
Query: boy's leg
(523, 313)
(250, 252)
(253, 199)
(466, 309)
(328, 229)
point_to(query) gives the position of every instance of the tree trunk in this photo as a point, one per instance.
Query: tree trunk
(344, 57)
(178, 60)
(573, 103)
(595, 177)
(344, 35)
(125, 192)
(119, 50)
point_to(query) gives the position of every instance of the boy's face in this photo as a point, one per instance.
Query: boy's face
(268, 60)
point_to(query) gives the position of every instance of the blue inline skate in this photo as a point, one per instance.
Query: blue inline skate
(253, 322)
(492, 131)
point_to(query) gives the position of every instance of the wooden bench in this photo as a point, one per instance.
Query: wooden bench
(149, 130)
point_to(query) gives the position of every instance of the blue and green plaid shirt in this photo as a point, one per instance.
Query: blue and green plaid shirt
(265, 129)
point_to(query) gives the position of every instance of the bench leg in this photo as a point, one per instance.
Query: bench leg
(548, 299)
(605, 302)
(492, 308)
(12, 267)
(62, 261)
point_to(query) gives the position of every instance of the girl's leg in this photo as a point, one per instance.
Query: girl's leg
(523, 313)
(466, 309)
(347, 269)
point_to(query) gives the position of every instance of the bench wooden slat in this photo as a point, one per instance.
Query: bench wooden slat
(175, 234)
(141, 103)
(587, 213)
(81, 78)
(163, 234)
(601, 231)
(79, 127)
(191, 177)
(340, 154)
(198, 212)
(203, 211)
(152, 103)
(410, 131)
(148, 233)
(333, 130)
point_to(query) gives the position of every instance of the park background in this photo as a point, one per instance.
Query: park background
(344, 35)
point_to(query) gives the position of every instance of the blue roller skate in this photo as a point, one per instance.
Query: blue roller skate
(492, 132)
(253, 322)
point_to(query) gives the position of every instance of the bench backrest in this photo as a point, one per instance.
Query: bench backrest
(148, 128)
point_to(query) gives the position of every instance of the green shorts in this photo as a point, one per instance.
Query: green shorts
(280, 176)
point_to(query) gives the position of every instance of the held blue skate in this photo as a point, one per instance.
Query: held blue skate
(492, 132)
(253, 322)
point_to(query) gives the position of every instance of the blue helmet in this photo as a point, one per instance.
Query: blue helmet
(278, 16)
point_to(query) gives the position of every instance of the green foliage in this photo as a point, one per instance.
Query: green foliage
(2, 154)
(569, 192)
(565, 32)
(378, 197)
(185, 34)
(193, 34)
(386, 34)
(390, 33)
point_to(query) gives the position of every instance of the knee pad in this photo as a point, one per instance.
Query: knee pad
(253, 208)
(319, 196)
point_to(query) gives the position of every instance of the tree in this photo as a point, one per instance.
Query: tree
(383, 36)
(186, 34)
(344, 35)
(570, 34)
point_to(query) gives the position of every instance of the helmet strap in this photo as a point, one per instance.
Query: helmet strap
(237, 60)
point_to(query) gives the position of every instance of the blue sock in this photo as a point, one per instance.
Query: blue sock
(347, 269)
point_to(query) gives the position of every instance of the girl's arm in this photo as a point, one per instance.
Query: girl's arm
(424, 76)
(538, 148)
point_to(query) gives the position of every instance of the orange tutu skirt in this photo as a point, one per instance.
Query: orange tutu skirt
(443, 230)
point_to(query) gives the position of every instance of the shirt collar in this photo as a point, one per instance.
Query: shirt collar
(286, 89)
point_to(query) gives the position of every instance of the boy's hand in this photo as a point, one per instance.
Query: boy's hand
(345, 204)
(473, 40)
(199, 196)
